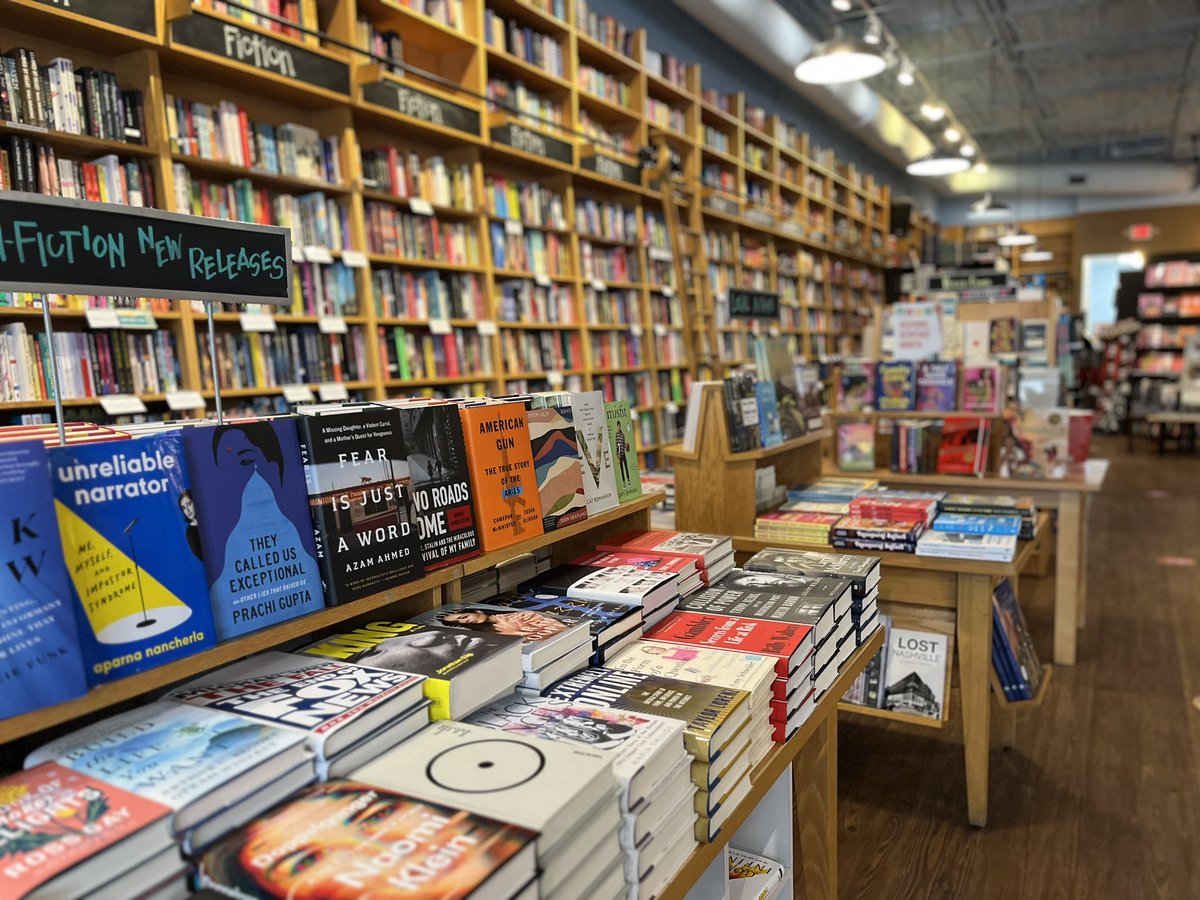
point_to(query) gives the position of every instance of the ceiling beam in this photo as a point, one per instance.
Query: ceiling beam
(926, 24)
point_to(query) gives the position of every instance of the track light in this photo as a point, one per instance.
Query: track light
(952, 134)
(981, 168)
(934, 112)
(967, 150)
(906, 76)
(873, 34)
(842, 5)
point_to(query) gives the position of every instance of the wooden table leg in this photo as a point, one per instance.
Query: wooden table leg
(814, 830)
(1084, 514)
(974, 665)
(1067, 579)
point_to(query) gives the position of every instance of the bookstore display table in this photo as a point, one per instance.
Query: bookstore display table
(964, 587)
(812, 755)
(1187, 422)
(1070, 496)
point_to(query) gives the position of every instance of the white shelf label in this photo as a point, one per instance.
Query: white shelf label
(331, 325)
(122, 404)
(542, 280)
(598, 285)
(315, 254)
(513, 227)
(354, 259)
(635, 329)
(440, 326)
(183, 400)
(486, 327)
(297, 253)
(660, 329)
(420, 207)
(672, 408)
(298, 393)
(661, 254)
(257, 321)
(554, 379)
(667, 291)
(136, 319)
(102, 318)
(332, 391)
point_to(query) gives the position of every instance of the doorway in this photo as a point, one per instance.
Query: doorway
(1101, 277)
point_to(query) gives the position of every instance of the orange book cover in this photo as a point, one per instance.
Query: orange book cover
(507, 508)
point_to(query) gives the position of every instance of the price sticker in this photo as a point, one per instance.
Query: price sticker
(315, 254)
(420, 206)
(486, 327)
(513, 227)
(298, 393)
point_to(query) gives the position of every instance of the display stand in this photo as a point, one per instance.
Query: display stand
(963, 587)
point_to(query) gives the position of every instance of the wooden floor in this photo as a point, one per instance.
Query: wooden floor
(1100, 799)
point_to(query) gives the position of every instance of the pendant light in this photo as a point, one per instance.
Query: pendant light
(1036, 256)
(1017, 236)
(987, 208)
(840, 60)
(942, 159)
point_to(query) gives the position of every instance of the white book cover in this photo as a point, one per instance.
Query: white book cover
(176, 754)
(750, 672)
(638, 744)
(915, 679)
(542, 785)
(591, 431)
(623, 584)
(950, 544)
(753, 876)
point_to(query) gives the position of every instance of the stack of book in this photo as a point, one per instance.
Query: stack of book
(1013, 654)
(897, 506)
(565, 793)
(876, 534)
(712, 554)
(684, 568)
(995, 505)
(961, 538)
(612, 625)
(714, 731)
(792, 524)
(863, 573)
(649, 761)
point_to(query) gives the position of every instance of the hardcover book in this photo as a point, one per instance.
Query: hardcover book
(711, 715)
(963, 524)
(442, 497)
(1036, 444)
(754, 877)
(805, 601)
(964, 445)
(789, 643)
(462, 669)
(544, 636)
(595, 447)
(359, 493)
(776, 364)
(364, 841)
(677, 565)
(195, 761)
(557, 466)
(916, 673)
(937, 385)
(252, 511)
(605, 620)
(811, 391)
(334, 704)
(648, 588)
(1018, 643)
(856, 446)
(743, 671)
(770, 432)
(705, 549)
(863, 571)
(896, 386)
(62, 832)
(981, 389)
(131, 542)
(42, 663)
(856, 392)
(741, 412)
(507, 508)
(623, 438)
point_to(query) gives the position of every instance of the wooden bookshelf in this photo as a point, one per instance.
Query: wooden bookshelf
(786, 198)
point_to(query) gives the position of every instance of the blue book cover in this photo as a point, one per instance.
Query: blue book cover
(937, 386)
(769, 427)
(40, 662)
(957, 523)
(896, 386)
(132, 545)
(255, 529)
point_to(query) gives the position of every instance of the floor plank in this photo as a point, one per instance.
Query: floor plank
(1101, 796)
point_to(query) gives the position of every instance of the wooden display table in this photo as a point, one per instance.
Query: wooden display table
(1071, 496)
(1187, 422)
(812, 755)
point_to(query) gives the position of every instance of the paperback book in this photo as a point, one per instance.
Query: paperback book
(916, 673)
(896, 387)
(557, 466)
(856, 446)
(741, 412)
(606, 620)
(770, 432)
(964, 446)
(937, 385)
(545, 637)
(776, 365)
(981, 389)
(856, 392)
(1036, 444)
(862, 571)
(595, 447)
(623, 438)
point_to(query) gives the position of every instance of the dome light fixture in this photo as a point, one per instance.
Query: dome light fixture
(840, 60)
(1037, 256)
(1017, 237)
(934, 112)
(988, 209)
(939, 161)
(906, 77)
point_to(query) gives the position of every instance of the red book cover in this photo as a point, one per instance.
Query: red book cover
(964, 447)
(702, 548)
(789, 643)
(1080, 435)
(653, 562)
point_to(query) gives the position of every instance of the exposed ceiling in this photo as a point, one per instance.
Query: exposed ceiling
(1075, 80)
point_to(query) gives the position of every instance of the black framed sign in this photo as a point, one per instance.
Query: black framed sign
(136, 15)
(56, 245)
(430, 108)
(745, 304)
(527, 141)
(608, 167)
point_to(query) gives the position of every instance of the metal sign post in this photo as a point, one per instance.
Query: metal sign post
(52, 379)
(212, 359)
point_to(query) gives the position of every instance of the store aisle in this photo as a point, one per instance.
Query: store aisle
(1100, 799)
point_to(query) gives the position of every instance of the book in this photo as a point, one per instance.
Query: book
(811, 394)
(557, 466)
(916, 673)
(442, 496)
(863, 572)
(937, 385)
(1036, 444)
(544, 636)
(743, 671)
(788, 643)
(43, 663)
(964, 524)
(646, 588)
(705, 549)
(856, 446)
(1003, 336)
(856, 391)
(131, 543)
(711, 715)
(896, 386)
(1017, 642)
(964, 445)
(741, 412)
(503, 479)
(346, 838)
(199, 762)
(956, 545)
(333, 704)
(463, 669)
(595, 447)
(981, 389)
(770, 432)
(249, 488)
(545, 786)
(815, 602)
(754, 877)
(623, 437)
(64, 832)
(643, 747)
(360, 496)
(680, 566)
(776, 365)
(606, 620)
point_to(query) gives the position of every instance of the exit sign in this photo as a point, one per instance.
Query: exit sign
(1143, 231)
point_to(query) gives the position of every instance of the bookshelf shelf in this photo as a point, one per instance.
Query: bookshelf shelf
(79, 143)
(1033, 702)
(890, 715)
(283, 182)
(420, 29)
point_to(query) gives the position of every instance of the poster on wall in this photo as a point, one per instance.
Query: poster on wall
(918, 330)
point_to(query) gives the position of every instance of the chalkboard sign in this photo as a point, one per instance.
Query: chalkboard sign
(136, 15)
(520, 138)
(419, 105)
(721, 204)
(608, 167)
(968, 281)
(250, 48)
(753, 304)
(55, 245)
